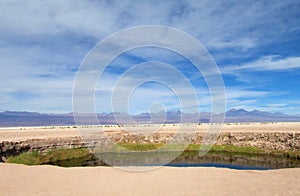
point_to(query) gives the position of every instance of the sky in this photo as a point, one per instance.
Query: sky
(255, 44)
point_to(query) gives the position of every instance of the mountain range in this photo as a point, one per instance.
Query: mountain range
(15, 119)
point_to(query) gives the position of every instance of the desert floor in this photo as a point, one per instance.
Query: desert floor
(23, 133)
(52, 180)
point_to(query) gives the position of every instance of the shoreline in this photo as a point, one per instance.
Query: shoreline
(234, 157)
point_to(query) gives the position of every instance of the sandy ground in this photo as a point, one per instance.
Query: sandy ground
(23, 133)
(51, 180)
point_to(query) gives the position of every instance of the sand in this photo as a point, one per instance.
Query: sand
(51, 180)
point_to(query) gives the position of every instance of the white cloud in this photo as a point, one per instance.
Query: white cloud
(269, 63)
(216, 24)
(277, 105)
(243, 44)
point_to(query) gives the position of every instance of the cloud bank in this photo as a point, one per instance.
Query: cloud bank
(256, 45)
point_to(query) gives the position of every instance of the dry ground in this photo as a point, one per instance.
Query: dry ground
(22, 133)
(51, 180)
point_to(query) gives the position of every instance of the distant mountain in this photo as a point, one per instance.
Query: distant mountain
(242, 115)
(15, 119)
(23, 114)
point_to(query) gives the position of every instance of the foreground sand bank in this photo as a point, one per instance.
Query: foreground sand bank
(51, 180)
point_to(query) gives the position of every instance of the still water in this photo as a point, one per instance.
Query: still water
(186, 159)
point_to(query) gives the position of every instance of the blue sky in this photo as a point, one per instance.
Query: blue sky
(256, 45)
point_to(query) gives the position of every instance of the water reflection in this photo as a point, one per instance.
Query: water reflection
(186, 159)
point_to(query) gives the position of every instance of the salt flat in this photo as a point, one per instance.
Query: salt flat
(23, 133)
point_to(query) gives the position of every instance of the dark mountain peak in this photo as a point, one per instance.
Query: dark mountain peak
(232, 110)
(236, 112)
(143, 115)
(242, 110)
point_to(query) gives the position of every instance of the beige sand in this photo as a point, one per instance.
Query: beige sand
(51, 180)
(23, 133)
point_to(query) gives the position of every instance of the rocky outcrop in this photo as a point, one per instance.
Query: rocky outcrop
(9, 148)
(268, 141)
